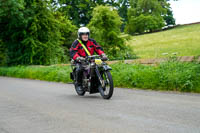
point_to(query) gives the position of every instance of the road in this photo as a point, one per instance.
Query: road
(33, 106)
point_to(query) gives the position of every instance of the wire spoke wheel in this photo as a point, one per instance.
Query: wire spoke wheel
(107, 91)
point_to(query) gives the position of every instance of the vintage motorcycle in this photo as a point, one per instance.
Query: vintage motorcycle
(96, 77)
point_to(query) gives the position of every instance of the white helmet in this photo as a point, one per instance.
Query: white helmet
(83, 30)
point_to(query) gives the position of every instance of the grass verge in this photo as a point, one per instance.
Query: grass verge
(47, 73)
(172, 76)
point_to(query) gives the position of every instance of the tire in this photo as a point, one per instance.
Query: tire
(80, 93)
(107, 94)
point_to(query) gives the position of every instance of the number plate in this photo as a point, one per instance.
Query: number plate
(98, 61)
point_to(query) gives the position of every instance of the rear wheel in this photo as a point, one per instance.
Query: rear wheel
(106, 91)
(79, 89)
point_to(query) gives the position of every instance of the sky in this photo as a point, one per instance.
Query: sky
(186, 11)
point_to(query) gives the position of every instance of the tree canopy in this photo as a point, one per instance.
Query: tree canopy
(105, 28)
(32, 33)
(42, 31)
(148, 15)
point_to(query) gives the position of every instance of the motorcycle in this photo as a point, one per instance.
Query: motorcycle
(96, 77)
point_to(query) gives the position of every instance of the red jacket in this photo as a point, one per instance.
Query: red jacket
(77, 50)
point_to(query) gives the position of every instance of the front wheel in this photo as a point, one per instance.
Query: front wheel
(79, 91)
(106, 91)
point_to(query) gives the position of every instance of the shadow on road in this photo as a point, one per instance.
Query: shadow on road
(87, 96)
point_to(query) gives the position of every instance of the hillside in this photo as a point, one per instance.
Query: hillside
(183, 40)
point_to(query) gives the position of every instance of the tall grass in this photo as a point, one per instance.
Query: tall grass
(172, 76)
(48, 73)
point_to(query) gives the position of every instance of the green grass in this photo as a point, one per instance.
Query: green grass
(183, 40)
(48, 73)
(173, 76)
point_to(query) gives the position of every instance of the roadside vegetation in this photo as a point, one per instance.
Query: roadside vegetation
(170, 76)
(40, 32)
(47, 73)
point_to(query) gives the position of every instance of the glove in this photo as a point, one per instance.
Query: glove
(104, 57)
(72, 61)
(80, 59)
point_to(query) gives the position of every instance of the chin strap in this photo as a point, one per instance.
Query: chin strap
(86, 50)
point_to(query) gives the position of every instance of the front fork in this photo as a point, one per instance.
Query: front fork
(99, 76)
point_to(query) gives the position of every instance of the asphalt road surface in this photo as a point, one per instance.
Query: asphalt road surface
(32, 106)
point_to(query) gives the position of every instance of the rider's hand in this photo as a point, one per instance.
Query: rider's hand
(80, 59)
(104, 57)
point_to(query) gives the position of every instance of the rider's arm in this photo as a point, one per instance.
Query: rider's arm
(74, 50)
(98, 49)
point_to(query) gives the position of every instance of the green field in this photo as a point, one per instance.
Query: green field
(183, 40)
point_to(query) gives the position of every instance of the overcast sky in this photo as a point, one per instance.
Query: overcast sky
(186, 11)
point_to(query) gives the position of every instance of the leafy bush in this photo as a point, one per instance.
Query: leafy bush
(144, 23)
(33, 32)
(105, 28)
(126, 53)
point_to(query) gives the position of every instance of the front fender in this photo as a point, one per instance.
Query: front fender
(106, 67)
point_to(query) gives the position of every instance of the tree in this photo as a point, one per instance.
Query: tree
(31, 33)
(68, 31)
(80, 11)
(2, 54)
(122, 7)
(12, 31)
(105, 28)
(144, 23)
(146, 15)
(169, 18)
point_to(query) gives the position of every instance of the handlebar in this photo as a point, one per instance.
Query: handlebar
(93, 56)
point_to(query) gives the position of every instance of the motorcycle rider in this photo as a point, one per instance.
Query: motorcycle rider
(78, 54)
